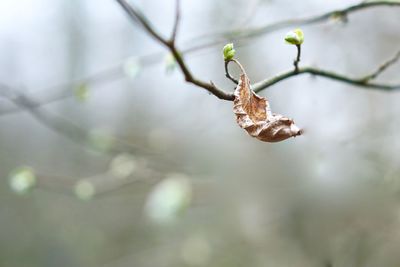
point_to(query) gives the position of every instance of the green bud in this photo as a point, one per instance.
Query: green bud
(295, 37)
(229, 52)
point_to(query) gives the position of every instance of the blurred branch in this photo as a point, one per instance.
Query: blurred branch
(63, 126)
(338, 13)
(111, 74)
(102, 184)
(177, 21)
(252, 6)
(65, 90)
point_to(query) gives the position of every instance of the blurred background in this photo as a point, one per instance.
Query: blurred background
(116, 161)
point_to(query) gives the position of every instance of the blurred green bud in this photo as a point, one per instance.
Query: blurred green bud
(295, 37)
(169, 199)
(229, 52)
(81, 92)
(101, 140)
(22, 179)
(123, 165)
(84, 190)
(132, 67)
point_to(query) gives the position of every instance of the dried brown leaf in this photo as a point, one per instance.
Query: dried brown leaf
(253, 114)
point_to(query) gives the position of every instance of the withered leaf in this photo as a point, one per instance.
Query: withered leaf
(253, 114)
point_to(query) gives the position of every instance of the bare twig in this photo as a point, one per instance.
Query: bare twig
(209, 86)
(64, 91)
(140, 19)
(176, 23)
(297, 60)
(268, 28)
(382, 68)
(227, 74)
(326, 74)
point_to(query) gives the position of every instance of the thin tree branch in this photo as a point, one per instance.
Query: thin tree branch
(210, 87)
(382, 68)
(297, 60)
(227, 74)
(268, 28)
(177, 21)
(103, 183)
(140, 19)
(326, 74)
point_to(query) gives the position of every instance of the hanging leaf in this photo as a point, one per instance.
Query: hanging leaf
(253, 114)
